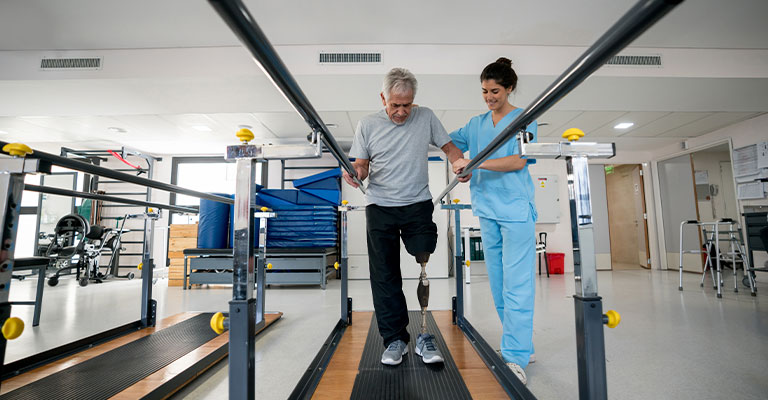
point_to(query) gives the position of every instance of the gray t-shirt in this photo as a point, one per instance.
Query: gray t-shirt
(398, 174)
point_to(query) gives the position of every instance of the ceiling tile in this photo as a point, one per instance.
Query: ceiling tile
(554, 120)
(590, 121)
(639, 118)
(343, 129)
(708, 124)
(666, 123)
(284, 124)
(20, 130)
(227, 125)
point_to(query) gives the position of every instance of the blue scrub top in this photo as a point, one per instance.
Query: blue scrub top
(503, 196)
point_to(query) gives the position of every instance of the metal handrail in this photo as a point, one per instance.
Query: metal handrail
(112, 199)
(108, 173)
(634, 22)
(239, 19)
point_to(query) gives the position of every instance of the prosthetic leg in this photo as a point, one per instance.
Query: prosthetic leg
(422, 291)
(425, 343)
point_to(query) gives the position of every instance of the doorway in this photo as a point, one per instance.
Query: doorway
(627, 217)
(694, 186)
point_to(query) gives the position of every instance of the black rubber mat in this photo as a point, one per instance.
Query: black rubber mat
(112, 372)
(412, 379)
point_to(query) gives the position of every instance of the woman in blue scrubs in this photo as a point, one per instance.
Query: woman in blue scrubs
(502, 197)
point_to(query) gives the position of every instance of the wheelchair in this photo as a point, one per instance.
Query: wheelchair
(79, 245)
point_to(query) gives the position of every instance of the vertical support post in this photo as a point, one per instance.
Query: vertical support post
(590, 348)
(242, 373)
(590, 342)
(467, 241)
(458, 267)
(148, 305)
(261, 277)
(11, 187)
(717, 260)
(345, 303)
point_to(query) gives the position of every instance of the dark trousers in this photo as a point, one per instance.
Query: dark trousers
(386, 225)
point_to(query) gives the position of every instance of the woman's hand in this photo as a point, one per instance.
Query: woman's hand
(458, 167)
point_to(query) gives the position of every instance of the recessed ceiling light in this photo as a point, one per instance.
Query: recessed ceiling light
(202, 128)
(244, 127)
(332, 125)
(3, 133)
(115, 129)
(624, 125)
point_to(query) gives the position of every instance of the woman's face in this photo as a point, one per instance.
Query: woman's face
(495, 95)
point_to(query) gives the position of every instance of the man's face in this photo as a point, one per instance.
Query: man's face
(398, 106)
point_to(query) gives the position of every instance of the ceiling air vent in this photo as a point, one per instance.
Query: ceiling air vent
(59, 64)
(350, 58)
(635, 61)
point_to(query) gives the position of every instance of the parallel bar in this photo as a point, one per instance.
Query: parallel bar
(93, 196)
(244, 26)
(108, 173)
(26, 364)
(311, 378)
(636, 21)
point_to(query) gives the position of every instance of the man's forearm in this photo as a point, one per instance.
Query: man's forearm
(452, 152)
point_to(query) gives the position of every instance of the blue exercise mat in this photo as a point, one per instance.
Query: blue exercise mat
(213, 227)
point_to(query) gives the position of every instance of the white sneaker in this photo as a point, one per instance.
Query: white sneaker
(531, 359)
(518, 372)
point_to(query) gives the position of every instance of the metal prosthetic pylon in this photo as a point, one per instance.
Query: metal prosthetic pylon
(422, 291)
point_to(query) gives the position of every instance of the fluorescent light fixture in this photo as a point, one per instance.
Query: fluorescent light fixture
(3, 133)
(202, 128)
(624, 125)
(244, 127)
(115, 129)
(332, 125)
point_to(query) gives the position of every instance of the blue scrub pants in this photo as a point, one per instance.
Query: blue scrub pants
(510, 251)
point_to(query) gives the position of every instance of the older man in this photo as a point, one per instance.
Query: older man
(391, 150)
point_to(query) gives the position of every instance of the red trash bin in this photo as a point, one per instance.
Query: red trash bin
(556, 263)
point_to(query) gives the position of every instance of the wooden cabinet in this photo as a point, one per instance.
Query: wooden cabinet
(180, 237)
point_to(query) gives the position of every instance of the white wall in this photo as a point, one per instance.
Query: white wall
(559, 239)
(741, 134)
(723, 204)
(600, 216)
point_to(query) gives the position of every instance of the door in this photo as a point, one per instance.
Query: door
(641, 216)
(678, 203)
(623, 216)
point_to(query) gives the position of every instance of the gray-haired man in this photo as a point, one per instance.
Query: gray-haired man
(391, 150)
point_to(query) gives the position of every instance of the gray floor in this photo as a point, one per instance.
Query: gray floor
(670, 344)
